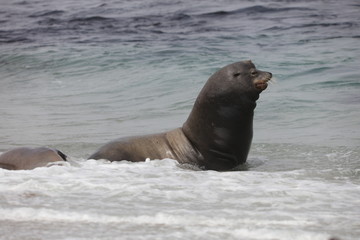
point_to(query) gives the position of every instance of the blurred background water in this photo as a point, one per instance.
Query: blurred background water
(76, 74)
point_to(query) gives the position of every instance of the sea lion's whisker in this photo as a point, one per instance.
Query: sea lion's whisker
(272, 80)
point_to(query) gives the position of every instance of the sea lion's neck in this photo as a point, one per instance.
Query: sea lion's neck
(219, 130)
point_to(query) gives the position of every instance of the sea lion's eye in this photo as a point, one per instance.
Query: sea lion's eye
(254, 72)
(237, 74)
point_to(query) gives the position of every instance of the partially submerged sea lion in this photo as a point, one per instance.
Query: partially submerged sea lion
(24, 158)
(218, 133)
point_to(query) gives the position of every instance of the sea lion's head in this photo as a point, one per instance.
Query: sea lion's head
(240, 79)
(250, 78)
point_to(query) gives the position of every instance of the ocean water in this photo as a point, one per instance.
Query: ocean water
(77, 74)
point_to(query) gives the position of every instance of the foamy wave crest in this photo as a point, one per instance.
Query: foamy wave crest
(192, 222)
(50, 215)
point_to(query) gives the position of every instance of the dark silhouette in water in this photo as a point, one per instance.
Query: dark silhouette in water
(24, 158)
(218, 133)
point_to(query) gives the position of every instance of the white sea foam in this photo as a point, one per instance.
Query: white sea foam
(161, 195)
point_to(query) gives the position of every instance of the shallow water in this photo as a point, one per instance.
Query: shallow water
(77, 74)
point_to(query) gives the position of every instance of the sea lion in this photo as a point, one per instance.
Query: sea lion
(24, 158)
(218, 133)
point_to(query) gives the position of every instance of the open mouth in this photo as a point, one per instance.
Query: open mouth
(262, 83)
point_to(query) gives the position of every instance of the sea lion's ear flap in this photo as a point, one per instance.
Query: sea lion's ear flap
(248, 61)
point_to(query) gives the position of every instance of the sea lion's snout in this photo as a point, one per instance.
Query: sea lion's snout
(269, 75)
(261, 82)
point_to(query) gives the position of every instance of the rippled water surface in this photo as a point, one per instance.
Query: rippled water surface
(76, 74)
